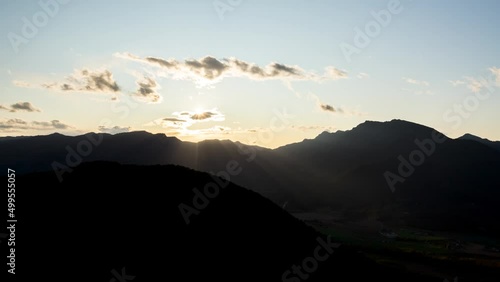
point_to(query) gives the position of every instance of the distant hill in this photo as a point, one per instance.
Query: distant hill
(107, 216)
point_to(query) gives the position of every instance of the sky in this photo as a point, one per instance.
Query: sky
(260, 72)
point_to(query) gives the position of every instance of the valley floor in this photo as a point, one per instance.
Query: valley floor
(431, 253)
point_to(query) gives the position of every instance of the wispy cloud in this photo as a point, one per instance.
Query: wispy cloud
(15, 125)
(305, 128)
(22, 83)
(362, 75)
(477, 84)
(416, 82)
(420, 87)
(86, 81)
(496, 72)
(424, 91)
(98, 81)
(20, 106)
(457, 82)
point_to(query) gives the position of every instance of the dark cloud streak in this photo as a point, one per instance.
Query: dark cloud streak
(20, 106)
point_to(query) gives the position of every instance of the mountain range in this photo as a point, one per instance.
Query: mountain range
(397, 171)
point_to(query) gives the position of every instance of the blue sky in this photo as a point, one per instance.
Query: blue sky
(425, 64)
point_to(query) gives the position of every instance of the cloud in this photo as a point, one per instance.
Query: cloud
(174, 120)
(20, 106)
(457, 82)
(180, 122)
(334, 73)
(208, 70)
(362, 75)
(496, 72)
(23, 84)
(13, 125)
(323, 106)
(99, 81)
(328, 108)
(477, 84)
(147, 90)
(202, 116)
(170, 63)
(207, 67)
(114, 129)
(423, 92)
(416, 82)
(161, 62)
(304, 128)
(420, 87)
(419, 91)
(199, 116)
(52, 124)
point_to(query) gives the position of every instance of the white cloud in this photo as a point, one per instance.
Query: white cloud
(362, 75)
(416, 82)
(457, 82)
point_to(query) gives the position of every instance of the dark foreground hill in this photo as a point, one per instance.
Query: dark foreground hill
(107, 216)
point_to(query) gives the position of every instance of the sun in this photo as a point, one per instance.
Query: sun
(199, 110)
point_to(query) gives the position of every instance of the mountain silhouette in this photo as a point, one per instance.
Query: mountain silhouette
(454, 187)
(493, 144)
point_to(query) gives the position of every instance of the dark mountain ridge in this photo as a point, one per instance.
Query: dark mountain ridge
(453, 186)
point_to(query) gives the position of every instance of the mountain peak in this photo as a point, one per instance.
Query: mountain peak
(378, 129)
(468, 136)
(493, 144)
